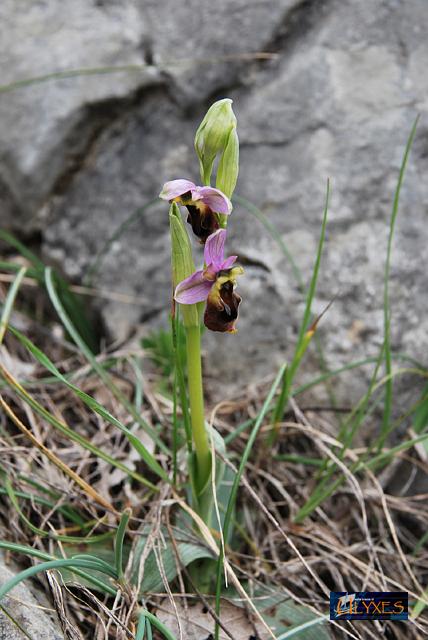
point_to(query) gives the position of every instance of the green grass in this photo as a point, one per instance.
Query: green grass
(75, 565)
(386, 301)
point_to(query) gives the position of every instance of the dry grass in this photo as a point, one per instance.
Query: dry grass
(363, 537)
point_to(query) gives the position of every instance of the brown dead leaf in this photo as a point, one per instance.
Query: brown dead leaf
(197, 624)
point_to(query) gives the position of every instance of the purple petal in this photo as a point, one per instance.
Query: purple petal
(210, 272)
(214, 199)
(176, 188)
(226, 264)
(214, 248)
(193, 289)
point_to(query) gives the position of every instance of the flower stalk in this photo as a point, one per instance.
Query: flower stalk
(197, 413)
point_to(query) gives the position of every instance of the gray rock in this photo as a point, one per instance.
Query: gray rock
(338, 101)
(47, 130)
(23, 615)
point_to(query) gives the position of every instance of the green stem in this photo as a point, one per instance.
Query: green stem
(196, 399)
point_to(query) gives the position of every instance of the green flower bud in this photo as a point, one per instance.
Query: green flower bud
(228, 168)
(212, 137)
(182, 262)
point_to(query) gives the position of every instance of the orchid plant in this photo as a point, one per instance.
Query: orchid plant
(208, 210)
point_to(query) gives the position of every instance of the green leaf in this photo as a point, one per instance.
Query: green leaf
(35, 553)
(151, 619)
(188, 551)
(419, 606)
(182, 262)
(288, 619)
(52, 564)
(304, 624)
(118, 545)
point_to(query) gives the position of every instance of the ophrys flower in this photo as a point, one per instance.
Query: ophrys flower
(202, 203)
(216, 284)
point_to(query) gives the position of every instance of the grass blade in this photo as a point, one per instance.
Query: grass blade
(360, 411)
(313, 284)
(41, 555)
(386, 304)
(65, 563)
(9, 302)
(10, 239)
(259, 215)
(158, 625)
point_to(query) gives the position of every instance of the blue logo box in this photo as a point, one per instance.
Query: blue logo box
(369, 605)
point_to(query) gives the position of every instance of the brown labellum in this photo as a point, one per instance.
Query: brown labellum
(221, 311)
(203, 223)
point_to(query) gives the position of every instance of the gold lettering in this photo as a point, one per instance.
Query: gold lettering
(398, 605)
(376, 607)
(366, 606)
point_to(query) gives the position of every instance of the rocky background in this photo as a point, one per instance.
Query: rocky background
(337, 98)
(26, 608)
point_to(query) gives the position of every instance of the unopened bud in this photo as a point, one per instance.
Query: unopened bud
(212, 139)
